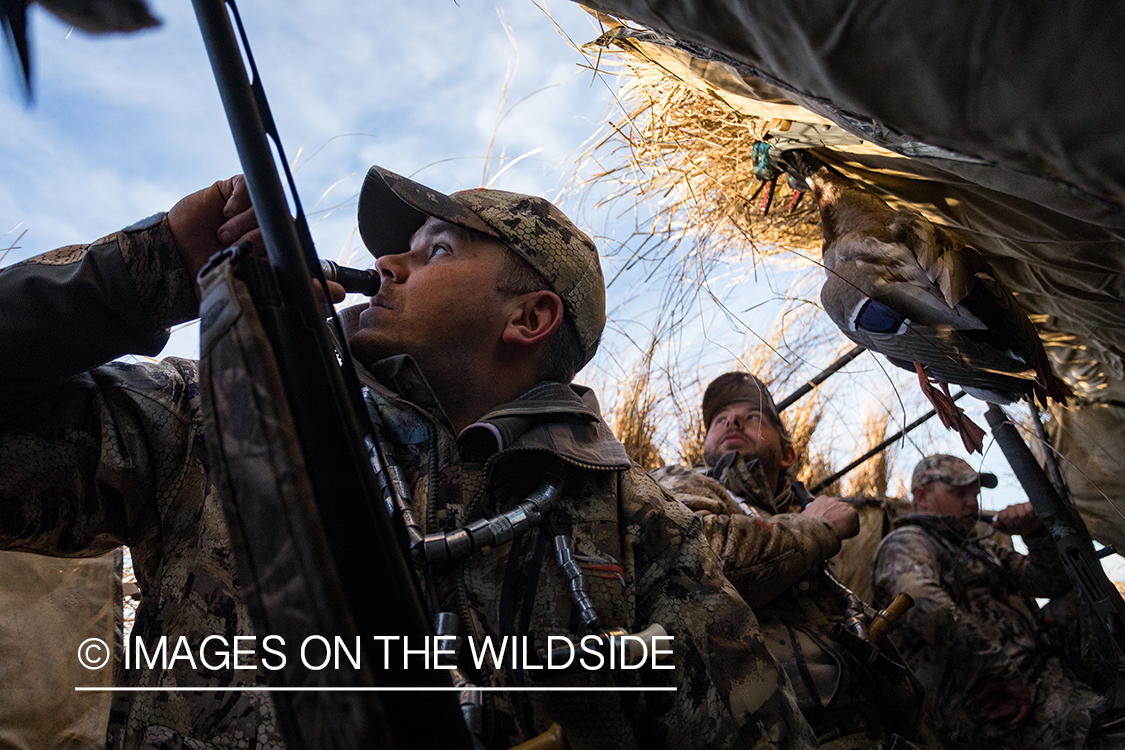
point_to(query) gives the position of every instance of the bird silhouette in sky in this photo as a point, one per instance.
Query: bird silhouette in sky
(91, 16)
(913, 291)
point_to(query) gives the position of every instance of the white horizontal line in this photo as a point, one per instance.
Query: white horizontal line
(373, 689)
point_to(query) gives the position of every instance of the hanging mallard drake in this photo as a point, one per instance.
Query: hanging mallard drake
(913, 291)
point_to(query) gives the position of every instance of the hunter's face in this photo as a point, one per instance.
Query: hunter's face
(948, 500)
(743, 427)
(439, 302)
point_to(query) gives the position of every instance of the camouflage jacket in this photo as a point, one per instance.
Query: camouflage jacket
(773, 554)
(764, 541)
(96, 456)
(973, 629)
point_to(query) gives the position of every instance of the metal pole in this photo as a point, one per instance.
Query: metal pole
(928, 415)
(338, 540)
(1076, 552)
(854, 352)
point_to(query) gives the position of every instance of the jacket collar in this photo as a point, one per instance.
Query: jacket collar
(746, 480)
(401, 378)
(555, 417)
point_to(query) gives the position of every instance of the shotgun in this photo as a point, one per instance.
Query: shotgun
(317, 550)
(1076, 549)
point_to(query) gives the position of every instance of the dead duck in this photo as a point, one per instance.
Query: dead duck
(915, 292)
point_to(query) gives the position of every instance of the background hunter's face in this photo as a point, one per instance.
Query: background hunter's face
(439, 301)
(949, 500)
(743, 427)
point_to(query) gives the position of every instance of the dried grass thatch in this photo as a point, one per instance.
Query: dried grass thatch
(635, 419)
(819, 467)
(692, 433)
(681, 162)
(683, 159)
(872, 477)
(802, 419)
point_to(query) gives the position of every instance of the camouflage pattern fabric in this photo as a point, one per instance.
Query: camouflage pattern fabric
(973, 631)
(115, 455)
(953, 470)
(613, 513)
(764, 552)
(773, 555)
(277, 541)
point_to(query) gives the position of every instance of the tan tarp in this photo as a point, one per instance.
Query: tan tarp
(48, 607)
(1032, 88)
(743, 94)
(1090, 441)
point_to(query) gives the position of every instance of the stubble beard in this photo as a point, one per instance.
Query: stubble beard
(769, 460)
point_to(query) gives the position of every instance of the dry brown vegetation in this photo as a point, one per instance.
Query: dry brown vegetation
(692, 432)
(679, 161)
(684, 159)
(820, 467)
(635, 418)
(871, 478)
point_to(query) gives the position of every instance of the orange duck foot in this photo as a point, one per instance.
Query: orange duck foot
(950, 414)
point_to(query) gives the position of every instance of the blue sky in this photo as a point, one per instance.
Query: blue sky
(122, 126)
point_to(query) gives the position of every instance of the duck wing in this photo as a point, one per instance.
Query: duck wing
(913, 291)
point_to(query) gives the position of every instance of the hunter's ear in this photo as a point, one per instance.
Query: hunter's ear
(788, 456)
(534, 317)
(921, 499)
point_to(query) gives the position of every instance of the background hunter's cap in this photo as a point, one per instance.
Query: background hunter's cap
(740, 386)
(392, 208)
(949, 469)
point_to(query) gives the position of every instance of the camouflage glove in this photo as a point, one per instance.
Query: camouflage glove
(710, 505)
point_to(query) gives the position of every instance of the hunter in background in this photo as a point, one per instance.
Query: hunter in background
(775, 542)
(972, 636)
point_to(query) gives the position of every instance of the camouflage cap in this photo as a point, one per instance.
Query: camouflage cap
(392, 208)
(949, 469)
(741, 386)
